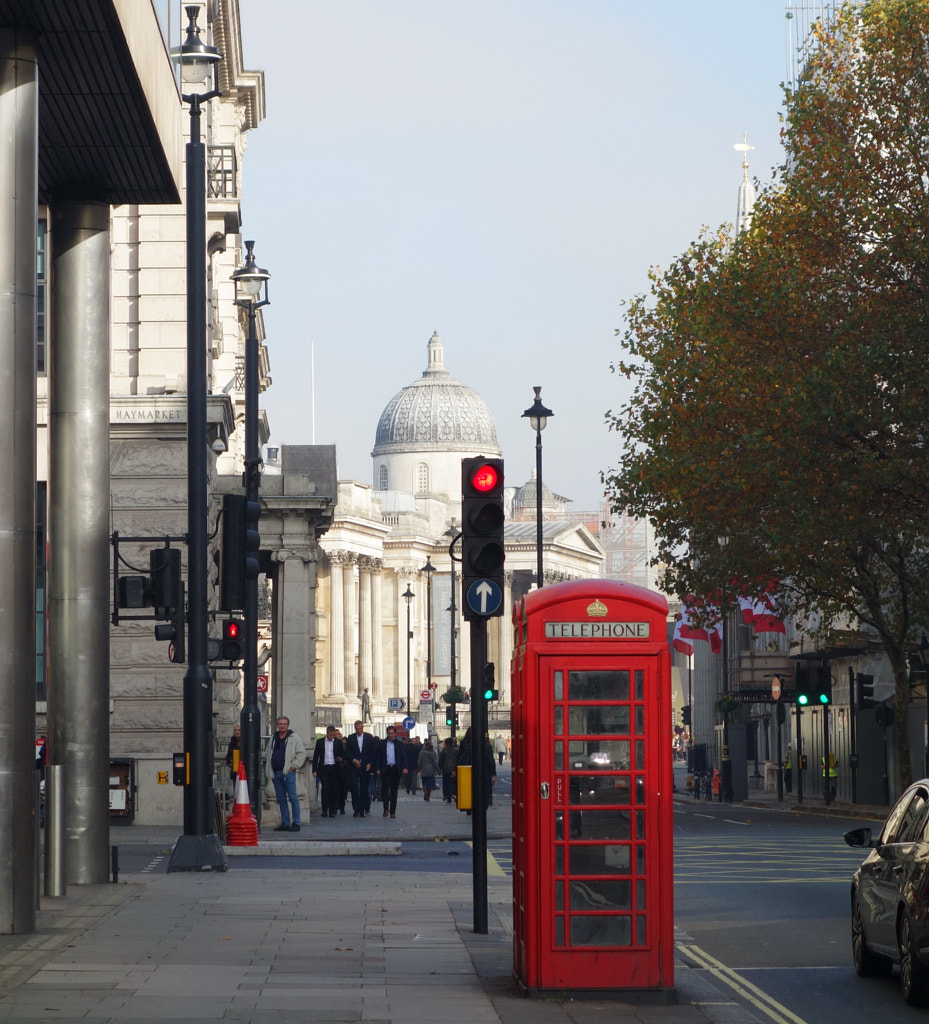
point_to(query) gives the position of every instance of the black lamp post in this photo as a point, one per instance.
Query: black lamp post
(725, 790)
(538, 417)
(923, 651)
(408, 597)
(428, 569)
(251, 283)
(198, 849)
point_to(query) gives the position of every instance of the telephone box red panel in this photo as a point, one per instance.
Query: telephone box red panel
(592, 791)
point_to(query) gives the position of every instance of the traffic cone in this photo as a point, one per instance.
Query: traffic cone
(241, 827)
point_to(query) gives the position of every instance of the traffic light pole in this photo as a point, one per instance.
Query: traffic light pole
(479, 780)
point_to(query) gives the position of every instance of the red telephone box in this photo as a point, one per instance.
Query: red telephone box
(592, 791)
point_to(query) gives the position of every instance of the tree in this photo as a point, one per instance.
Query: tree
(779, 390)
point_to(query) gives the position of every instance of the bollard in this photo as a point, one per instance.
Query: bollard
(54, 831)
(114, 862)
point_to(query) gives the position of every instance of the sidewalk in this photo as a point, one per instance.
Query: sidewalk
(279, 945)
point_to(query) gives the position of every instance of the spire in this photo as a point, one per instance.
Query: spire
(436, 349)
(743, 219)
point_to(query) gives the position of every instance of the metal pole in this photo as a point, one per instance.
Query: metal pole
(853, 724)
(250, 719)
(409, 636)
(827, 777)
(55, 883)
(725, 789)
(538, 507)
(799, 767)
(429, 632)
(778, 710)
(479, 780)
(198, 849)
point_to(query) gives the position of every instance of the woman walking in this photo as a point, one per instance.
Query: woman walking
(428, 765)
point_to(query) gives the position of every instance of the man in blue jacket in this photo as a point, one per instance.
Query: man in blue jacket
(361, 753)
(390, 767)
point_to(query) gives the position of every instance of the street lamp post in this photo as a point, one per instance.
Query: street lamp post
(538, 417)
(198, 849)
(455, 534)
(923, 652)
(408, 597)
(725, 790)
(428, 569)
(251, 284)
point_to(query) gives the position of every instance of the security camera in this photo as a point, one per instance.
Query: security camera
(219, 446)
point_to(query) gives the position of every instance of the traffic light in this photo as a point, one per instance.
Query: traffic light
(233, 640)
(165, 575)
(866, 691)
(482, 552)
(490, 693)
(450, 714)
(823, 692)
(173, 631)
(804, 684)
(685, 714)
(240, 543)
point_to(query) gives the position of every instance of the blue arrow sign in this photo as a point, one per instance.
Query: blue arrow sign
(408, 723)
(484, 597)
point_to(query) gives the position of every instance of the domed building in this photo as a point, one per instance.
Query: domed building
(427, 428)
(387, 633)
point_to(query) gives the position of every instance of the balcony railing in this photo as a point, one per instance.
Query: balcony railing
(221, 172)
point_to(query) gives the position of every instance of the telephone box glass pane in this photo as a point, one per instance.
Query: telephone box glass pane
(600, 931)
(559, 685)
(599, 721)
(597, 755)
(599, 825)
(598, 685)
(598, 789)
(601, 894)
(639, 685)
(559, 721)
(639, 789)
(599, 860)
(639, 720)
(559, 756)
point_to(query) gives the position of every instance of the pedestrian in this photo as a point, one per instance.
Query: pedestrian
(284, 757)
(788, 770)
(500, 747)
(428, 769)
(466, 756)
(327, 755)
(448, 757)
(360, 753)
(344, 774)
(234, 752)
(390, 768)
(830, 776)
(411, 749)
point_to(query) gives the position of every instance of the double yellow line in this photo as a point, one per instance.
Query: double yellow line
(761, 1001)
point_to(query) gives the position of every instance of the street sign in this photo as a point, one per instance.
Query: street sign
(395, 703)
(262, 683)
(425, 695)
(408, 723)
(484, 597)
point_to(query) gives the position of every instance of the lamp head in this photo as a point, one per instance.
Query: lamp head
(408, 594)
(250, 279)
(196, 57)
(537, 412)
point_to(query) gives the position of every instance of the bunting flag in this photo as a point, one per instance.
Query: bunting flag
(716, 638)
(680, 643)
(759, 614)
(689, 631)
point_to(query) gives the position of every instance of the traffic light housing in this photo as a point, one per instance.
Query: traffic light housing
(482, 551)
(451, 715)
(490, 691)
(173, 630)
(240, 543)
(804, 685)
(865, 691)
(233, 640)
(823, 694)
(164, 579)
(685, 714)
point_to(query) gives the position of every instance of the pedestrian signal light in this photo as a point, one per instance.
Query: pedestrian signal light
(449, 714)
(824, 685)
(482, 551)
(233, 640)
(804, 685)
(490, 693)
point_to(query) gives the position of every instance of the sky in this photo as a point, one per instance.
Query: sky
(504, 172)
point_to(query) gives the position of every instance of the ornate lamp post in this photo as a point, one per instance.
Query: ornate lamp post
(251, 284)
(725, 790)
(408, 597)
(198, 849)
(429, 569)
(538, 418)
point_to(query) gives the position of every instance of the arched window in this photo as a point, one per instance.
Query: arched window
(382, 479)
(422, 479)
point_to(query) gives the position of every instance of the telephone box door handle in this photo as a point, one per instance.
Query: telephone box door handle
(543, 791)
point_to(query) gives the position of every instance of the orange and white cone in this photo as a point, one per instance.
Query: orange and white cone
(241, 827)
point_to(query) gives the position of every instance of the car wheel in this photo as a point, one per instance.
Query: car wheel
(867, 964)
(914, 978)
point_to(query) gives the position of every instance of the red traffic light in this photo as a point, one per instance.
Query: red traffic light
(485, 477)
(230, 629)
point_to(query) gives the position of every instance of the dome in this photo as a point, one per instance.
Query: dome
(436, 413)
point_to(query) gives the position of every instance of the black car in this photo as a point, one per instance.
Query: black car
(890, 896)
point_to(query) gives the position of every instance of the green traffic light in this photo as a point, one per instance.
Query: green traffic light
(803, 699)
(824, 698)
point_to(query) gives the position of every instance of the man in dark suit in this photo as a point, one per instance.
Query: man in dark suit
(390, 766)
(360, 752)
(327, 755)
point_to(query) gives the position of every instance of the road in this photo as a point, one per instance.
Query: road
(762, 902)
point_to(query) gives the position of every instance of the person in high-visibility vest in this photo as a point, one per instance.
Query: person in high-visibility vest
(788, 771)
(830, 772)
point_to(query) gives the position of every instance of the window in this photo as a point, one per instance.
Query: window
(382, 478)
(422, 479)
(40, 274)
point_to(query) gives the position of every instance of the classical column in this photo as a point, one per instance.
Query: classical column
(78, 531)
(349, 630)
(336, 626)
(19, 158)
(364, 625)
(377, 655)
(505, 640)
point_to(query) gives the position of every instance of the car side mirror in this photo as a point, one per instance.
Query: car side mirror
(859, 838)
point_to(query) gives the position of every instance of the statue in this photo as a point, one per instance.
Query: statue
(365, 706)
